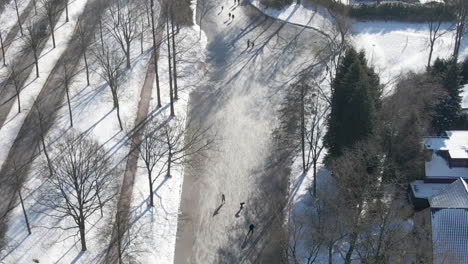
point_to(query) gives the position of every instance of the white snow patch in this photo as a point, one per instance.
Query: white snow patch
(392, 47)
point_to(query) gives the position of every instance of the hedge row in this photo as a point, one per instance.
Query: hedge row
(402, 12)
(399, 11)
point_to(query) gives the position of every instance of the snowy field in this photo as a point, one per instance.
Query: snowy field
(393, 48)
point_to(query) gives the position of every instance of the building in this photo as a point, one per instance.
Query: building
(448, 157)
(445, 224)
(447, 160)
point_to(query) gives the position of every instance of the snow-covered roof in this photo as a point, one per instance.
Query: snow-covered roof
(450, 235)
(464, 96)
(455, 195)
(424, 190)
(456, 143)
(439, 168)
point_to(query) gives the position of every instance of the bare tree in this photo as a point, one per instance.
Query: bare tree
(183, 140)
(357, 174)
(15, 78)
(19, 18)
(17, 169)
(3, 48)
(51, 9)
(461, 27)
(66, 12)
(81, 182)
(152, 150)
(174, 53)
(435, 32)
(124, 25)
(168, 38)
(156, 46)
(110, 63)
(203, 8)
(32, 40)
(42, 120)
(67, 79)
(84, 41)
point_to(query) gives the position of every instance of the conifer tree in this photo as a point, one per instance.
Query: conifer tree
(356, 94)
(447, 113)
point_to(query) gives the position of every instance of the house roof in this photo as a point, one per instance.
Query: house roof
(438, 167)
(454, 195)
(456, 143)
(450, 235)
(424, 190)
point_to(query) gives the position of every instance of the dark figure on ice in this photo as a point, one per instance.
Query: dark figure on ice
(248, 43)
(251, 229)
(240, 209)
(223, 199)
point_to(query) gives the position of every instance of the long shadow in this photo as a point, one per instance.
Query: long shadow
(216, 212)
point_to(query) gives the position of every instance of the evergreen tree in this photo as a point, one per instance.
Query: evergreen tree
(447, 113)
(464, 71)
(356, 94)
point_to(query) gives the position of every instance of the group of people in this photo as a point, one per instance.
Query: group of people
(251, 226)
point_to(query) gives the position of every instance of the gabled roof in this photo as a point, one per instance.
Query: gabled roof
(450, 236)
(454, 195)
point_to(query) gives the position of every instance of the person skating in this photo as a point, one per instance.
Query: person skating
(251, 229)
(248, 43)
(223, 199)
(241, 206)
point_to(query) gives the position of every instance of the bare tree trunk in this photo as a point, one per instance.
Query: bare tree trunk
(330, 253)
(37, 63)
(315, 177)
(155, 55)
(66, 11)
(69, 104)
(431, 50)
(304, 165)
(82, 236)
(19, 19)
(87, 67)
(3, 49)
(176, 96)
(150, 178)
(24, 211)
(127, 54)
(169, 159)
(171, 96)
(118, 116)
(18, 90)
(100, 33)
(51, 24)
(35, 7)
(142, 36)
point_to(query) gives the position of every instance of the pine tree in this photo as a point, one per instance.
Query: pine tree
(447, 113)
(356, 94)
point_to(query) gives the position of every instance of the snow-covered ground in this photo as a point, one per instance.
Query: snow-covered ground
(33, 85)
(8, 18)
(394, 48)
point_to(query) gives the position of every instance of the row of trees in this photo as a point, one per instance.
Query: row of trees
(79, 173)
